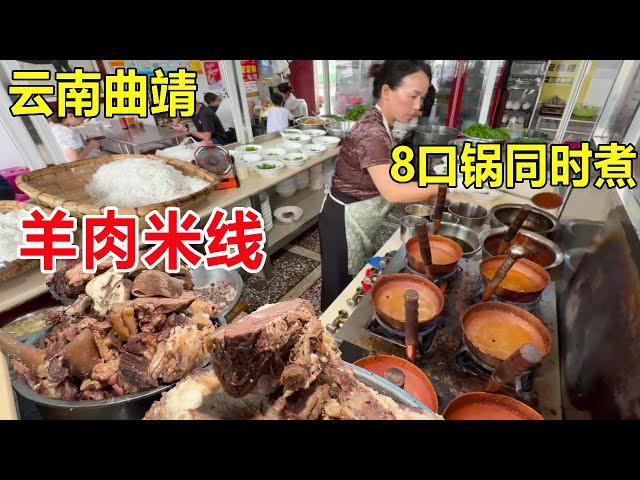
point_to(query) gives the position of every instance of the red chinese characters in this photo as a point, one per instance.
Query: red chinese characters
(110, 235)
(48, 238)
(172, 236)
(239, 241)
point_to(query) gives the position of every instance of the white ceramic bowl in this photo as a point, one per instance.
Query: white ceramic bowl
(250, 148)
(313, 149)
(251, 158)
(290, 131)
(327, 141)
(268, 172)
(291, 160)
(288, 214)
(273, 153)
(315, 132)
(302, 138)
(292, 146)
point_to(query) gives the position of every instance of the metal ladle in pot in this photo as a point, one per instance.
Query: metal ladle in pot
(422, 232)
(516, 224)
(440, 202)
(523, 359)
(411, 323)
(515, 252)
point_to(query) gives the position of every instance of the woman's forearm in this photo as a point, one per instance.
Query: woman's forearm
(399, 192)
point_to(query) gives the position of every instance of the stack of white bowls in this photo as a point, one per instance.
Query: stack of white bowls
(317, 177)
(303, 180)
(265, 210)
(287, 188)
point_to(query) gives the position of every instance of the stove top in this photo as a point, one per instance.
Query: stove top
(452, 370)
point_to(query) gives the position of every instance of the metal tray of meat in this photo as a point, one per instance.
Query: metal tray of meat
(203, 278)
(131, 406)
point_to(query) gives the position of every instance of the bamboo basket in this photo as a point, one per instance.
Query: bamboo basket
(64, 186)
(16, 267)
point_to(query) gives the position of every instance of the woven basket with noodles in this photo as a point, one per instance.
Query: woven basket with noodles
(64, 186)
(12, 269)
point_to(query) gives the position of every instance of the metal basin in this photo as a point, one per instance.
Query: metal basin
(463, 236)
(581, 233)
(203, 278)
(574, 256)
(128, 407)
(538, 221)
(433, 135)
(418, 209)
(470, 214)
(339, 129)
(432, 202)
(551, 249)
(447, 217)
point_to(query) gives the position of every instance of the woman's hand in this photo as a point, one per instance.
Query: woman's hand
(92, 145)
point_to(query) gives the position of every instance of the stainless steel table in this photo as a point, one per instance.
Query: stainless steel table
(132, 140)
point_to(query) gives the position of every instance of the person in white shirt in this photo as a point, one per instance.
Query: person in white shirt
(70, 140)
(224, 114)
(291, 103)
(277, 116)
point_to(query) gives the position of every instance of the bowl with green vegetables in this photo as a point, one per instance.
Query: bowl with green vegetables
(481, 133)
(268, 168)
(295, 160)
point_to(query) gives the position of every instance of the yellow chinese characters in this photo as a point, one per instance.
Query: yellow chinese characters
(31, 92)
(481, 164)
(126, 93)
(80, 91)
(174, 93)
(614, 163)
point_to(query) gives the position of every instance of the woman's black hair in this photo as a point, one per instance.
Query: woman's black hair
(55, 118)
(277, 99)
(284, 88)
(391, 73)
(210, 97)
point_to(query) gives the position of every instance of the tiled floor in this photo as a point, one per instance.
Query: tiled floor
(290, 269)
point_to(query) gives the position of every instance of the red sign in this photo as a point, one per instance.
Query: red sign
(212, 71)
(249, 70)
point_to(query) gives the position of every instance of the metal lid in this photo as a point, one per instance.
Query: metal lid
(215, 159)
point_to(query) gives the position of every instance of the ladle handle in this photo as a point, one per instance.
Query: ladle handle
(515, 252)
(523, 359)
(422, 232)
(411, 323)
(516, 225)
(437, 214)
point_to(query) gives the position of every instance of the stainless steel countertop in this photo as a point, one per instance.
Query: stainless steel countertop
(134, 136)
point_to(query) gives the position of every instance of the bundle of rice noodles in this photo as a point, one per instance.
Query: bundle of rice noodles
(135, 182)
(10, 234)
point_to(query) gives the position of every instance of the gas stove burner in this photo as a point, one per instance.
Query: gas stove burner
(470, 363)
(531, 307)
(439, 280)
(425, 335)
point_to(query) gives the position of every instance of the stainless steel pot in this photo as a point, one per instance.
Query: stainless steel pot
(470, 214)
(433, 135)
(538, 221)
(463, 236)
(557, 251)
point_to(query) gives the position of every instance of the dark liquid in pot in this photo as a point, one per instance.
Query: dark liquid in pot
(466, 248)
(536, 252)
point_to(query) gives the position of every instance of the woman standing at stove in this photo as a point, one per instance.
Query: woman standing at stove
(362, 191)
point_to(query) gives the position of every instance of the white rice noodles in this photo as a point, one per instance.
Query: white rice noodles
(140, 181)
(10, 234)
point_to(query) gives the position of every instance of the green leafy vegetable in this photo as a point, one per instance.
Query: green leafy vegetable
(337, 118)
(251, 149)
(480, 130)
(358, 111)
(266, 166)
